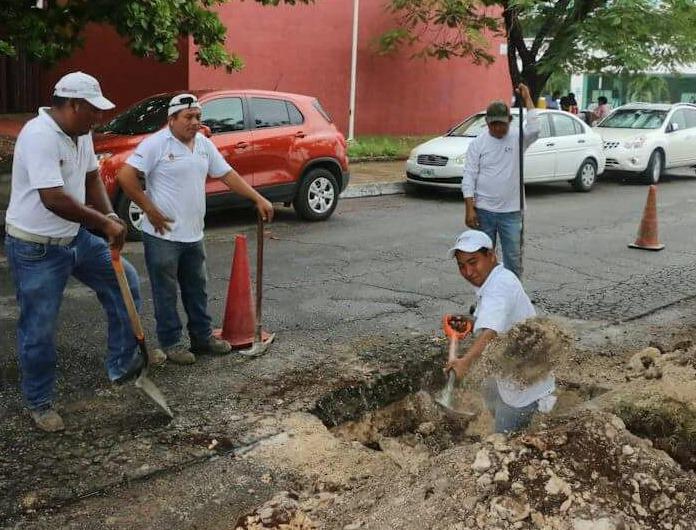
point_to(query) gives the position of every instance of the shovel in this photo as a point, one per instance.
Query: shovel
(143, 382)
(446, 397)
(262, 340)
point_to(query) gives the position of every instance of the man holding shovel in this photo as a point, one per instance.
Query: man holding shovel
(501, 303)
(56, 195)
(175, 163)
(491, 180)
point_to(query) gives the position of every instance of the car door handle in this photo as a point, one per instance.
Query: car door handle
(550, 144)
(300, 134)
(241, 145)
(581, 141)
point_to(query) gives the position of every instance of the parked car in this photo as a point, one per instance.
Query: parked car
(284, 145)
(567, 150)
(647, 138)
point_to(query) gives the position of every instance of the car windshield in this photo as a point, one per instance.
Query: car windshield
(145, 117)
(635, 119)
(473, 126)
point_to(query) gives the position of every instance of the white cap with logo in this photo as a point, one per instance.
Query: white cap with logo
(78, 85)
(183, 102)
(471, 241)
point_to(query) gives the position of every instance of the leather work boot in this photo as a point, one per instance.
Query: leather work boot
(48, 420)
(212, 346)
(157, 357)
(180, 355)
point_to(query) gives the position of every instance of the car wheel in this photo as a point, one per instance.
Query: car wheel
(586, 176)
(132, 215)
(317, 196)
(656, 164)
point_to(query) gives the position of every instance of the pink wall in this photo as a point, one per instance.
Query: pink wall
(124, 78)
(306, 49)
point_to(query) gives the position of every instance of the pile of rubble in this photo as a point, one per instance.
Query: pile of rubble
(588, 473)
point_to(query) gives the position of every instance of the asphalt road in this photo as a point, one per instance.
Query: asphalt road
(380, 265)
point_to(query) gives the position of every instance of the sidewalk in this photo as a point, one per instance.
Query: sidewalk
(371, 179)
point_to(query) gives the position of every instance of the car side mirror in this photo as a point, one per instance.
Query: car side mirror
(673, 127)
(205, 130)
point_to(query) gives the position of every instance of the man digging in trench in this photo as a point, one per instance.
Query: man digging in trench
(518, 390)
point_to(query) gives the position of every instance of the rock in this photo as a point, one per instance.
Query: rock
(352, 526)
(642, 512)
(485, 480)
(557, 486)
(482, 462)
(517, 487)
(566, 504)
(660, 503)
(646, 481)
(426, 428)
(644, 359)
(502, 476)
(654, 372)
(601, 523)
(509, 509)
(627, 450)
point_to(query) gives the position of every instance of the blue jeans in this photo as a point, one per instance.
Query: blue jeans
(40, 273)
(507, 419)
(509, 226)
(173, 265)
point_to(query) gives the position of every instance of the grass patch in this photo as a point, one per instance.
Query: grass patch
(381, 146)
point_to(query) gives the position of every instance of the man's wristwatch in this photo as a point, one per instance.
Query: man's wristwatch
(114, 216)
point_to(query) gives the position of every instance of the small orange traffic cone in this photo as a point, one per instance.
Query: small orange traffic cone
(647, 232)
(239, 323)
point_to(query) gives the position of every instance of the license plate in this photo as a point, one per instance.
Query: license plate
(427, 172)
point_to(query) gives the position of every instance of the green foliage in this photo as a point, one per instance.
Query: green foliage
(152, 28)
(384, 146)
(650, 89)
(549, 36)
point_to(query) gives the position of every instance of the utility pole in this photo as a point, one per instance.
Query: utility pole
(353, 71)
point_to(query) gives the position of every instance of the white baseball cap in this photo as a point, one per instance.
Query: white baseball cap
(471, 241)
(78, 85)
(183, 102)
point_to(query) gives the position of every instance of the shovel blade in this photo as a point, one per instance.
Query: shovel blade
(259, 347)
(150, 389)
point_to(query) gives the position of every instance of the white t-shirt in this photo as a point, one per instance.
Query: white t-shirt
(492, 167)
(46, 157)
(175, 181)
(502, 303)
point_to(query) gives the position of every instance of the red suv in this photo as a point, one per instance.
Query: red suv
(284, 145)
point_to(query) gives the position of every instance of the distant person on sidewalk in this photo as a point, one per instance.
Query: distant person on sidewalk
(491, 181)
(603, 109)
(501, 303)
(56, 195)
(175, 163)
(552, 102)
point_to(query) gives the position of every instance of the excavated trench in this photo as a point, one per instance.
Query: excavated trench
(400, 408)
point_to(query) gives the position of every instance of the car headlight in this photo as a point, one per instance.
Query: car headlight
(412, 155)
(103, 156)
(635, 143)
(460, 160)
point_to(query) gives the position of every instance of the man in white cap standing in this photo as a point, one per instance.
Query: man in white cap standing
(175, 163)
(56, 195)
(501, 303)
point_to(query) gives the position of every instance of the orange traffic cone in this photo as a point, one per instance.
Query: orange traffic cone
(239, 323)
(647, 233)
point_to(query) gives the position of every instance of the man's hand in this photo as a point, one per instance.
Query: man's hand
(265, 209)
(523, 91)
(116, 232)
(159, 221)
(471, 219)
(460, 367)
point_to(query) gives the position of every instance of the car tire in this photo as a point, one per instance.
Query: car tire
(586, 176)
(132, 215)
(656, 165)
(317, 195)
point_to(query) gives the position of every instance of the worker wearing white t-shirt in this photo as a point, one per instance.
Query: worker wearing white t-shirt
(501, 303)
(175, 163)
(56, 195)
(491, 180)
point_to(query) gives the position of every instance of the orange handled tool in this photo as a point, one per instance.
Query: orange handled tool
(456, 328)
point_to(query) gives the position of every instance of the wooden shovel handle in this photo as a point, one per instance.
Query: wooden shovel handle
(127, 296)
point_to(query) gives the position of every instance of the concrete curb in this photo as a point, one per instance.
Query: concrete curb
(373, 189)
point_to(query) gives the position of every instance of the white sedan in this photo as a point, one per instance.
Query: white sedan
(567, 150)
